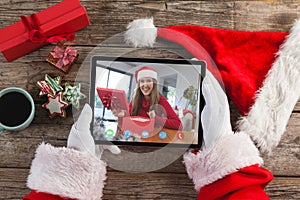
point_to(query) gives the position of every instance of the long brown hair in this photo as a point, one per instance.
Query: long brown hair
(138, 95)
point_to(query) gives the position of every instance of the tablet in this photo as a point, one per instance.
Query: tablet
(112, 90)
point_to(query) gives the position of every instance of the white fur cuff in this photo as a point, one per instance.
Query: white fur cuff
(67, 172)
(232, 152)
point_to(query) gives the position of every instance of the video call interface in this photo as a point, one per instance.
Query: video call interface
(116, 83)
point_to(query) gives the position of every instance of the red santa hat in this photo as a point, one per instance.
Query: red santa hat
(260, 70)
(144, 72)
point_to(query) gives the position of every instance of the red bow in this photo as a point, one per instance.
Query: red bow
(65, 56)
(36, 35)
(107, 101)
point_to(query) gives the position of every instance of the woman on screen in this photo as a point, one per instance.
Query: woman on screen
(148, 102)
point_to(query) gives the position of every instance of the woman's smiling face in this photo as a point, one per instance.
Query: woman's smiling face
(146, 85)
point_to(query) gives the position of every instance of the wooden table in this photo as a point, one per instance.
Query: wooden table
(109, 18)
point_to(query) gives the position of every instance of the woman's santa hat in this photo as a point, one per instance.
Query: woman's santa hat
(260, 70)
(145, 72)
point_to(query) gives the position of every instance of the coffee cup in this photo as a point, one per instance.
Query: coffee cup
(16, 109)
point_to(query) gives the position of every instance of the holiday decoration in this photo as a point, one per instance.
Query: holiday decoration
(62, 57)
(56, 23)
(72, 94)
(56, 105)
(50, 85)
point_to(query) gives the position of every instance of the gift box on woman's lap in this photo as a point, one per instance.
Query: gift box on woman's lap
(137, 125)
(56, 23)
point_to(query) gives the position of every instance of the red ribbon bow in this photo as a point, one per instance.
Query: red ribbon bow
(65, 56)
(36, 35)
(107, 101)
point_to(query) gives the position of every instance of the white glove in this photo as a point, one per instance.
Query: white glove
(80, 137)
(215, 116)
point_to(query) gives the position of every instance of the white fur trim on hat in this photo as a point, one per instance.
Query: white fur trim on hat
(141, 33)
(147, 73)
(67, 172)
(231, 153)
(268, 117)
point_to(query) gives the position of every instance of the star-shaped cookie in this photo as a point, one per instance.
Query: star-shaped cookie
(50, 85)
(56, 105)
(72, 94)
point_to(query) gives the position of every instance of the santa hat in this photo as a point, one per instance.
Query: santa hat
(260, 70)
(144, 72)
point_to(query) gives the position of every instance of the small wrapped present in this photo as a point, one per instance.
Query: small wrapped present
(62, 56)
(56, 23)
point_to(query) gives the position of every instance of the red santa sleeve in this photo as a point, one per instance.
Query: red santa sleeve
(246, 183)
(230, 170)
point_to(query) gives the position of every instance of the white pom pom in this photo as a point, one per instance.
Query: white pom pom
(141, 33)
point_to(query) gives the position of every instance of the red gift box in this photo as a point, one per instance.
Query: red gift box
(62, 56)
(113, 99)
(137, 124)
(58, 22)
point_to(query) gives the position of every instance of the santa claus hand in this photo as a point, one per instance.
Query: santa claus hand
(151, 114)
(80, 137)
(215, 117)
(112, 148)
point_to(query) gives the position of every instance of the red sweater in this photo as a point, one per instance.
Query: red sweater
(165, 117)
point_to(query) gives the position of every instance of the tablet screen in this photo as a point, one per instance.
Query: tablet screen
(147, 101)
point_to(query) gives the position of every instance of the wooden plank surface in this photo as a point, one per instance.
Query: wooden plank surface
(143, 186)
(109, 18)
